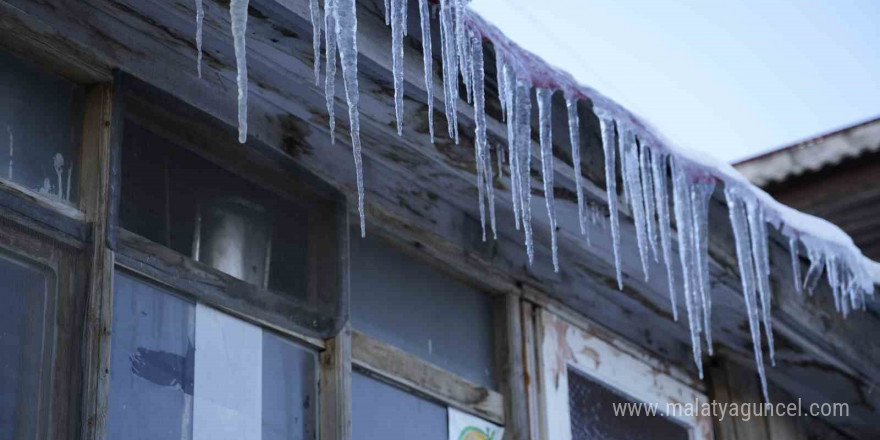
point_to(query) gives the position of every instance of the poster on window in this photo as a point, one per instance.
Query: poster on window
(467, 427)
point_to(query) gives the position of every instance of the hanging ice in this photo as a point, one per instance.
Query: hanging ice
(484, 159)
(238, 10)
(658, 172)
(427, 60)
(315, 16)
(817, 264)
(200, 17)
(461, 46)
(794, 249)
(501, 82)
(574, 136)
(450, 67)
(345, 16)
(758, 233)
(330, 57)
(700, 196)
(479, 155)
(513, 158)
(633, 189)
(681, 191)
(523, 127)
(387, 12)
(645, 158)
(609, 146)
(739, 222)
(398, 10)
(546, 135)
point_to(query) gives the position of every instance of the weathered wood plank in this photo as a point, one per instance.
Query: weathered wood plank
(335, 387)
(510, 362)
(402, 369)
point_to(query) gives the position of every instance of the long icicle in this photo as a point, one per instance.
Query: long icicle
(681, 190)
(609, 146)
(238, 10)
(633, 186)
(523, 112)
(398, 11)
(345, 15)
(700, 196)
(427, 60)
(450, 67)
(758, 232)
(200, 18)
(330, 58)
(316, 18)
(574, 135)
(739, 222)
(795, 262)
(501, 81)
(659, 167)
(478, 74)
(512, 156)
(544, 97)
(645, 158)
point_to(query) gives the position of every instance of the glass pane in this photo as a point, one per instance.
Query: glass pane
(417, 308)
(183, 201)
(40, 128)
(592, 415)
(24, 293)
(185, 371)
(381, 411)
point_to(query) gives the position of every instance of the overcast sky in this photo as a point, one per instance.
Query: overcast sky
(732, 78)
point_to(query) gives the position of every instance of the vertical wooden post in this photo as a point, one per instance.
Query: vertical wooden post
(335, 387)
(509, 356)
(530, 354)
(94, 200)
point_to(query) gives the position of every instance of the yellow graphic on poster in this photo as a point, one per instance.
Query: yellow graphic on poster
(464, 426)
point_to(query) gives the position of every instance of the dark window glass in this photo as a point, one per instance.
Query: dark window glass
(381, 411)
(181, 370)
(183, 201)
(25, 346)
(593, 418)
(417, 308)
(40, 128)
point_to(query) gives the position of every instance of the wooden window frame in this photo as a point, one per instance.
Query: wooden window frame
(564, 340)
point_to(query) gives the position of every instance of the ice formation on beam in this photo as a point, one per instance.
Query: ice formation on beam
(644, 163)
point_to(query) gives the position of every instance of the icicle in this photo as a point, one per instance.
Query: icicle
(479, 151)
(633, 186)
(501, 82)
(544, 97)
(427, 60)
(739, 222)
(387, 12)
(658, 172)
(345, 16)
(609, 146)
(461, 46)
(795, 262)
(758, 232)
(450, 67)
(398, 10)
(200, 18)
(681, 191)
(238, 10)
(817, 264)
(700, 196)
(645, 158)
(58, 162)
(523, 125)
(315, 15)
(330, 56)
(485, 158)
(575, 140)
(512, 157)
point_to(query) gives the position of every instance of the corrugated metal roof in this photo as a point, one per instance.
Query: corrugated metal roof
(812, 154)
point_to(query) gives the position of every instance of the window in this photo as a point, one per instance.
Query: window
(382, 411)
(182, 370)
(583, 373)
(26, 328)
(41, 121)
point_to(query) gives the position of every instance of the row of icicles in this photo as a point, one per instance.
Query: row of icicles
(645, 167)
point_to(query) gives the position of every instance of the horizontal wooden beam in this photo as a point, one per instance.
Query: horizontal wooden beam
(403, 369)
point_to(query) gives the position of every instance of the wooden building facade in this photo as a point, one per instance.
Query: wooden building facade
(165, 281)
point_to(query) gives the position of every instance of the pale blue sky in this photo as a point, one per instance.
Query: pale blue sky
(732, 78)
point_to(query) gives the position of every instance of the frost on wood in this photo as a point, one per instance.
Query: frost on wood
(238, 15)
(315, 16)
(398, 24)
